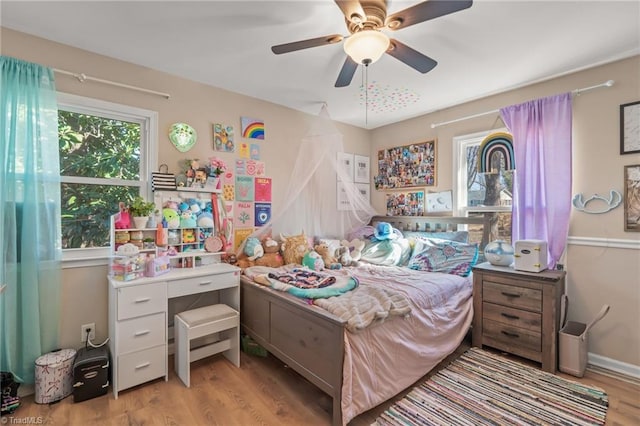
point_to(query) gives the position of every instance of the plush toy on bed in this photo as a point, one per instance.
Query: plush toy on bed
(313, 261)
(329, 260)
(270, 245)
(253, 248)
(294, 247)
(344, 257)
(355, 247)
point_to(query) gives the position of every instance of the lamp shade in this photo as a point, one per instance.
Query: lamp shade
(366, 44)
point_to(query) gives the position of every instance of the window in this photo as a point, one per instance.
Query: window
(481, 193)
(106, 156)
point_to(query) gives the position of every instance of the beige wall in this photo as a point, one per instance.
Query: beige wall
(84, 292)
(596, 275)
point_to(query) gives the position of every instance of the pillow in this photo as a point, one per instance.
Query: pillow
(459, 236)
(386, 252)
(450, 257)
(362, 233)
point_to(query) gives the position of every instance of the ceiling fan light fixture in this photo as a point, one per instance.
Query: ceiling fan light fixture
(366, 45)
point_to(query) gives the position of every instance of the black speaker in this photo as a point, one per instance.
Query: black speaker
(91, 373)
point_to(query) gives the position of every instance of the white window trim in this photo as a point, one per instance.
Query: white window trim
(75, 258)
(460, 169)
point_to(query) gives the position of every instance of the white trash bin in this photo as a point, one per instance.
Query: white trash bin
(54, 376)
(573, 343)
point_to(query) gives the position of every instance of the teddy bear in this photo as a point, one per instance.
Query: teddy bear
(324, 251)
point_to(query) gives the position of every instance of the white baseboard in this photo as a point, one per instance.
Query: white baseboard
(617, 367)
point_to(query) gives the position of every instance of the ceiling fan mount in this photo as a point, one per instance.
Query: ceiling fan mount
(366, 43)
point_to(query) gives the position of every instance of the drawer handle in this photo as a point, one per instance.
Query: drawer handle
(205, 283)
(146, 364)
(510, 316)
(142, 333)
(510, 294)
(146, 299)
(506, 333)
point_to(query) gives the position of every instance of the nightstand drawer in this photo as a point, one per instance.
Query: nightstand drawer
(141, 333)
(506, 337)
(531, 321)
(512, 296)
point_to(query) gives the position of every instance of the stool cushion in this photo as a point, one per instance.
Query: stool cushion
(206, 314)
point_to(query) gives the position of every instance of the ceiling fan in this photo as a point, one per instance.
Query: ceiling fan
(367, 43)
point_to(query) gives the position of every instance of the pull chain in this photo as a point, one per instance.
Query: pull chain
(365, 71)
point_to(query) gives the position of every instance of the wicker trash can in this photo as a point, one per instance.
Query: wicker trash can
(54, 376)
(573, 345)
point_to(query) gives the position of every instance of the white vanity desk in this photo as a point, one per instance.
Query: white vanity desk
(138, 311)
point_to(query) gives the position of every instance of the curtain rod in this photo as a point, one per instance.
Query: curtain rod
(83, 77)
(607, 83)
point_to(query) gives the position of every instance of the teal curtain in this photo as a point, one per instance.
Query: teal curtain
(30, 232)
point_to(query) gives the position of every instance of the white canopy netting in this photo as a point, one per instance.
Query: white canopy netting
(310, 204)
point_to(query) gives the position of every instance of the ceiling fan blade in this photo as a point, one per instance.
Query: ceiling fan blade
(425, 11)
(305, 44)
(346, 73)
(411, 57)
(352, 10)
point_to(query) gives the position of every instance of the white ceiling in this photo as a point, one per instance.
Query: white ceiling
(491, 47)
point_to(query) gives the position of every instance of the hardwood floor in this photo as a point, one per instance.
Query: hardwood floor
(262, 392)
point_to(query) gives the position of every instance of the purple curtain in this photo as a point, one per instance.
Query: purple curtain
(541, 132)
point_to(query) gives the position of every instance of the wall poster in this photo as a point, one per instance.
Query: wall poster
(361, 164)
(345, 162)
(407, 166)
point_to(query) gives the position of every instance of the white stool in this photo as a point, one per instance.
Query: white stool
(200, 322)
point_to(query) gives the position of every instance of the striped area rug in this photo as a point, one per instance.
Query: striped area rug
(482, 388)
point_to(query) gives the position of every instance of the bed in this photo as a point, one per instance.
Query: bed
(359, 370)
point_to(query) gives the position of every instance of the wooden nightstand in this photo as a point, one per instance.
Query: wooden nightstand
(518, 312)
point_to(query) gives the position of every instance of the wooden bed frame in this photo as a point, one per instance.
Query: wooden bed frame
(315, 347)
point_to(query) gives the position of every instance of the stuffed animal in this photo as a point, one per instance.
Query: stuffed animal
(272, 260)
(313, 261)
(188, 236)
(270, 245)
(344, 257)
(294, 247)
(187, 219)
(205, 220)
(253, 248)
(124, 218)
(355, 247)
(172, 218)
(329, 260)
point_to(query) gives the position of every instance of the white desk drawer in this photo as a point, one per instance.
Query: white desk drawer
(140, 333)
(177, 288)
(139, 367)
(141, 300)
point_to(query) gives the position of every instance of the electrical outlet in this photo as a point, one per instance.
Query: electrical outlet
(92, 332)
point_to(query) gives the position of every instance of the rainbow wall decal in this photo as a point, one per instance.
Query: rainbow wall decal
(496, 142)
(252, 128)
